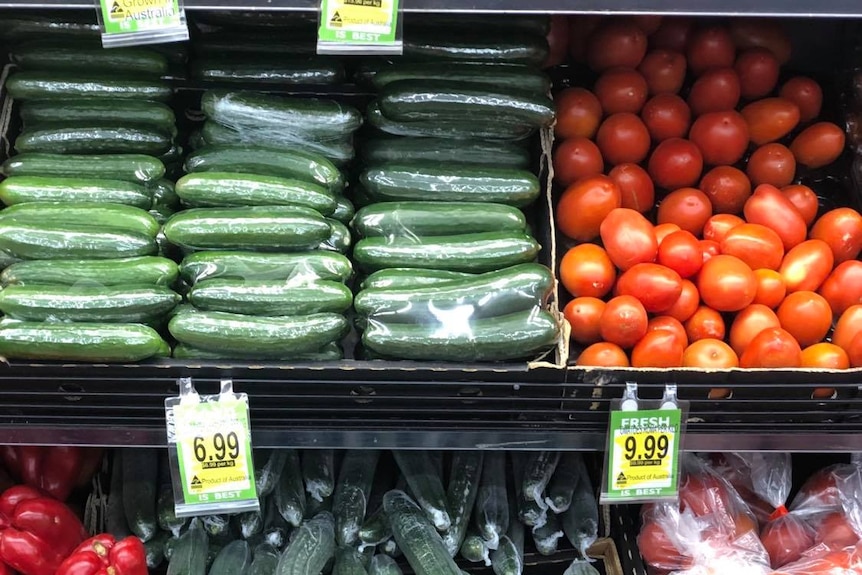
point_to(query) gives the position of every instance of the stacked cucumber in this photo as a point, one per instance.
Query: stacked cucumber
(264, 232)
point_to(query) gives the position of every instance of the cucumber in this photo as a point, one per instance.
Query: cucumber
(268, 228)
(233, 559)
(344, 210)
(313, 507)
(348, 561)
(425, 485)
(293, 268)
(492, 504)
(217, 526)
(214, 549)
(383, 565)
(231, 42)
(563, 483)
(547, 536)
(144, 112)
(134, 168)
(318, 470)
(155, 549)
(189, 555)
(417, 537)
(26, 189)
(88, 58)
(164, 193)
(422, 182)
(310, 548)
(170, 544)
(475, 549)
(581, 567)
(538, 471)
(390, 548)
(115, 514)
(375, 529)
(395, 149)
(289, 493)
(461, 496)
(512, 47)
(265, 560)
(249, 159)
(93, 138)
(434, 218)
(19, 26)
(264, 336)
(275, 528)
(268, 298)
(581, 520)
(144, 270)
(140, 490)
(54, 85)
(474, 253)
(400, 278)
(110, 216)
(166, 516)
(64, 241)
(508, 558)
(269, 69)
(268, 474)
(513, 78)
(529, 511)
(329, 352)
(499, 129)
(352, 491)
(249, 523)
(89, 342)
(227, 189)
(339, 239)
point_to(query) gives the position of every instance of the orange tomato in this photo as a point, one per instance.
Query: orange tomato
(603, 354)
(621, 90)
(803, 199)
(767, 206)
(668, 323)
(710, 249)
(586, 270)
(841, 228)
(616, 42)
(704, 323)
(748, 323)
(664, 230)
(843, 287)
(805, 93)
(717, 226)
(818, 145)
(583, 315)
(709, 354)
(824, 355)
(623, 138)
(686, 304)
(726, 283)
(771, 348)
(770, 288)
(584, 206)
(689, 208)
(727, 189)
(806, 266)
(806, 316)
(848, 326)
(770, 119)
(579, 113)
(771, 164)
(575, 159)
(624, 321)
(659, 348)
(636, 188)
(657, 287)
(681, 252)
(854, 350)
(629, 238)
(755, 244)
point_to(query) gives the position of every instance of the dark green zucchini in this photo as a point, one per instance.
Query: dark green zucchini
(125, 167)
(397, 149)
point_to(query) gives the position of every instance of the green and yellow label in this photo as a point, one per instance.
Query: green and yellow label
(130, 16)
(369, 22)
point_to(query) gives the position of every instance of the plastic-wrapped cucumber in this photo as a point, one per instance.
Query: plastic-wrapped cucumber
(529, 511)
(425, 485)
(581, 567)
(119, 304)
(295, 268)
(390, 547)
(492, 503)
(230, 42)
(495, 76)
(318, 470)
(339, 239)
(383, 565)
(269, 465)
(88, 57)
(235, 557)
(547, 536)
(375, 529)
(117, 217)
(398, 278)
(289, 493)
(19, 26)
(270, 298)
(249, 523)
(344, 210)
(54, 85)
(144, 270)
(564, 481)
(433, 218)
(480, 129)
(581, 521)
(538, 470)
(508, 558)
(264, 560)
(100, 109)
(394, 149)
(475, 549)
(513, 46)
(264, 68)
(466, 471)
(31, 189)
(124, 167)
(310, 548)
(352, 491)
(189, 554)
(115, 514)
(95, 138)
(155, 549)
(417, 537)
(164, 193)
(216, 526)
(313, 506)
(349, 561)
(329, 352)
(165, 512)
(275, 528)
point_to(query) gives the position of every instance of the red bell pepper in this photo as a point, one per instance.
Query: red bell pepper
(54, 470)
(104, 555)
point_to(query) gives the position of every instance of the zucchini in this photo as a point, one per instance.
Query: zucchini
(474, 253)
(289, 493)
(269, 69)
(82, 110)
(400, 278)
(417, 537)
(581, 520)
(499, 129)
(227, 189)
(54, 85)
(154, 549)
(265, 560)
(134, 168)
(166, 516)
(88, 58)
(581, 567)
(93, 138)
(268, 298)
(538, 471)
(547, 536)
(87, 342)
(344, 210)
(26, 189)
(294, 268)
(508, 558)
(264, 336)
(563, 483)
(275, 528)
(529, 511)
(140, 490)
(249, 523)
(395, 149)
(144, 270)
(512, 47)
(109, 216)
(383, 565)
(115, 514)
(233, 559)
(329, 352)
(64, 241)
(425, 485)
(514, 78)
(352, 491)
(268, 475)
(318, 470)
(310, 548)
(492, 504)
(339, 239)
(349, 561)
(461, 496)
(435, 218)
(475, 549)
(266, 228)
(189, 555)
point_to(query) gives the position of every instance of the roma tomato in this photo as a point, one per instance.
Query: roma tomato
(578, 113)
(659, 549)
(836, 531)
(755, 244)
(686, 304)
(575, 159)
(675, 163)
(680, 251)
(621, 90)
(584, 205)
(659, 348)
(664, 71)
(667, 323)
(716, 91)
(710, 249)
(772, 164)
(818, 145)
(824, 355)
(761, 33)
(841, 228)
(636, 188)
(629, 238)
(806, 266)
(849, 324)
(804, 199)
(689, 208)
(758, 72)
(664, 230)
(806, 316)
(583, 315)
(717, 226)
(624, 321)
(616, 42)
(623, 138)
(710, 47)
(666, 116)
(786, 539)
(770, 119)
(806, 94)
(558, 41)
(727, 188)
(854, 351)
(768, 206)
(770, 288)
(657, 287)
(726, 283)
(673, 33)
(721, 136)
(748, 323)
(843, 287)
(709, 354)
(603, 354)
(704, 323)
(586, 270)
(771, 348)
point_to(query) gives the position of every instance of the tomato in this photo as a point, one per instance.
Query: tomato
(841, 228)
(824, 355)
(621, 90)
(624, 321)
(623, 138)
(806, 94)
(575, 159)
(767, 206)
(854, 350)
(709, 354)
(673, 33)
(581, 27)
(659, 348)
(758, 72)
(603, 354)
(649, 23)
(717, 226)
(849, 324)
(786, 539)
(675, 163)
(835, 531)
(583, 315)
(726, 283)
(666, 116)
(771, 164)
(748, 323)
(680, 251)
(806, 316)
(843, 287)
(716, 91)
(664, 230)
(584, 205)
(586, 270)
(803, 199)
(709, 248)
(710, 47)
(727, 189)
(704, 323)
(689, 208)
(761, 33)
(579, 113)
(806, 266)
(818, 145)
(629, 238)
(616, 42)
(686, 304)
(755, 244)
(657, 287)
(659, 549)
(721, 136)
(558, 41)
(664, 71)
(670, 324)
(770, 288)
(636, 188)
(772, 347)
(770, 119)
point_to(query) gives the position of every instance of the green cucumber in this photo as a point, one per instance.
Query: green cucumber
(289, 493)
(312, 545)
(349, 561)
(115, 514)
(134, 168)
(65, 241)
(110, 216)
(339, 239)
(392, 149)
(474, 253)
(269, 69)
(19, 26)
(144, 112)
(189, 554)
(498, 129)
(93, 138)
(166, 515)
(233, 559)
(267, 228)
(249, 159)
(508, 558)
(216, 545)
(530, 512)
(515, 78)
(275, 528)
(512, 47)
(227, 189)
(265, 560)
(492, 504)
(433, 218)
(164, 193)
(581, 567)
(144, 270)
(547, 536)
(344, 210)
(581, 520)
(422, 182)
(249, 523)
(420, 472)
(475, 549)
(390, 548)
(318, 469)
(563, 483)
(140, 490)
(352, 491)
(155, 549)
(170, 544)
(292, 268)
(264, 336)
(53, 85)
(383, 565)
(25, 189)
(329, 352)
(400, 278)
(218, 527)
(537, 474)
(88, 58)
(461, 496)
(313, 507)
(268, 473)
(375, 529)
(417, 537)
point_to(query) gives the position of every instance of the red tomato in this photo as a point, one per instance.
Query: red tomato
(710, 47)
(673, 33)
(803, 199)
(579, 113)
(709, 354)
(603, 354)
(583, 315)
(770, 119)
(806, 266)
(721, 136)
(716, 91)
(818, 145)
(717, 226)
(581, 27)
(649, 23)
(755, 244)
(664, 230)
(636, 187)
(843, 287)
(771, 164)
(621, 90)
(558, 41)
(710, 248)
(616, 42)
(686, 304)
(761, 33)
(658, 549)
(842, 230)
(726, 283)
(805, 93)
(767, 206)
(623, 138)
(835, 531)
(657, 287)
(586, 270)
(854, 351)
(664, 71)
(575, 159)
(849, 325)
(584, 205)
(675, 163)
(704, 323)
(758, 72)
(770, 288)
(629, 238)
(666, 116)
(786, 539)
(771, 348)
(660, 348)
(806, 316)
(824, 355)
(680, 251)
(748, 323)
(727, 188)
(624, 321)
(689, 208)
(668, 323)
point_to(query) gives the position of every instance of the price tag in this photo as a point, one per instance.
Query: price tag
(134, 22)
(359, 26)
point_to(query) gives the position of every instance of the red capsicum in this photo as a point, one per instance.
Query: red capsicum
(54, 470)
(36, 532)
(104, 555)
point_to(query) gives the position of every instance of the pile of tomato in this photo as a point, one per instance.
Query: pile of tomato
(694, 245)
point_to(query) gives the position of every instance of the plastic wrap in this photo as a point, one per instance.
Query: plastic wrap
(737, 470)
(513, 47)
(31, 189)
(38, 85)
(293, 269)
(55, 54)
(34, 112)
(290, 70)
(29, 241)
(494, 75)
(126, 167)
(385, 149)
(419, 219)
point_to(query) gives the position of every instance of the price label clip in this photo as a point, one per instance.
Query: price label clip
(643, 447)
(210, 453)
